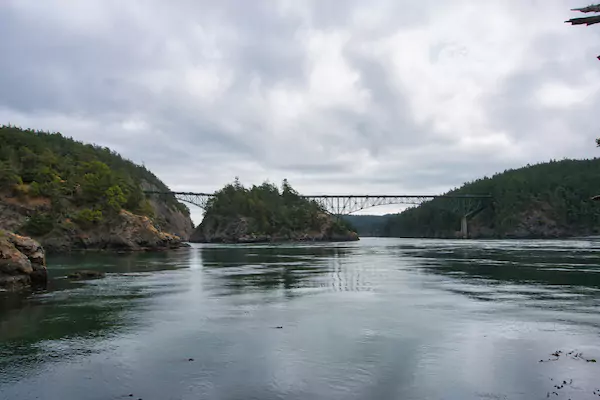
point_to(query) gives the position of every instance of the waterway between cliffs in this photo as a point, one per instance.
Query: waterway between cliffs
(374, 319)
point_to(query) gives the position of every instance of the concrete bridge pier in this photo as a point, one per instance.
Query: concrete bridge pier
(468, 212)
(464, 231)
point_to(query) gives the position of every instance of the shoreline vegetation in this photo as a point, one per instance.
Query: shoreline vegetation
(71, 196)
(550, 200)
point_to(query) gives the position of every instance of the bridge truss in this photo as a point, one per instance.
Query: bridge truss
(345, 205)
(197, 199)
(466, 205)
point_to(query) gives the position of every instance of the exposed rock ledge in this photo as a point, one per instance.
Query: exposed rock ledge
(127, 232)
(22, 262)
(218, 229)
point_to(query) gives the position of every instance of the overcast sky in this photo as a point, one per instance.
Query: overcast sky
(353, 96)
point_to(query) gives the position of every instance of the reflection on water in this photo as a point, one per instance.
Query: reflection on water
(289, 268)
(377, 319)
(546, 264)
(557, 276)
(75, 310)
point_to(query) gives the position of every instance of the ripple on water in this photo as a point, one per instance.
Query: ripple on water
(380, 318)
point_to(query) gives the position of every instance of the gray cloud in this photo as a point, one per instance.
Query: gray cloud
(387, 96)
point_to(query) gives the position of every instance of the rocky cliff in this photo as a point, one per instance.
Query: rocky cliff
(539, 222)
(169, 218)
(22, 262)
(69, 196)
(240, 229)
(123, 232)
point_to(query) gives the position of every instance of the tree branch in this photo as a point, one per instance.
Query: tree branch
(592, 8)
(585, 20)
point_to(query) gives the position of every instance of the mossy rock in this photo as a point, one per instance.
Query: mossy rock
(86, 274)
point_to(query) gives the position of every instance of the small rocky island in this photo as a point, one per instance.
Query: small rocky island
(265, 214)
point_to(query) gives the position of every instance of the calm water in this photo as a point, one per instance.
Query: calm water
(377, 319)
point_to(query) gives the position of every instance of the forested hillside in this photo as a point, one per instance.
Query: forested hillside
(367, 225)
(50, 183)
(544, 200)
(264, 213)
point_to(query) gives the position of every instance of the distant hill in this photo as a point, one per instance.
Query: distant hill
(71, 195)
(266, 214)
(367, 225)
(545, 200)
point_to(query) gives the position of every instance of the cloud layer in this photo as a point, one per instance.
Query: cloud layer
(386, 96)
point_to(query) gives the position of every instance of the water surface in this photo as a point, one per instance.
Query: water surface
(375, 319)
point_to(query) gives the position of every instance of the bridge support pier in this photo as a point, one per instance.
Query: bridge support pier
(464, 228)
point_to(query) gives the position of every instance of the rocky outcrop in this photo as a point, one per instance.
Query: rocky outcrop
(22, 262)
(126, 232)
(219, 229)
(169, 218)
(15, 210)
(536, 223)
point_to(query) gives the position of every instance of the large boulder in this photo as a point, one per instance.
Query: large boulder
(22, 262)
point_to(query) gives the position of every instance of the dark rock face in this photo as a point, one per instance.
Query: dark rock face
(171, 220)
(126, 232)
(22, 262)
(129, 232)
(534, 224)
(86, 274)
(14, 211)
(217, 229)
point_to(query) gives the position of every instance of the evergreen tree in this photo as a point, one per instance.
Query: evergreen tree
(557, 192)
(85, 183)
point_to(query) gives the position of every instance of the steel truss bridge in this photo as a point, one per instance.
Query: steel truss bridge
(466, 204)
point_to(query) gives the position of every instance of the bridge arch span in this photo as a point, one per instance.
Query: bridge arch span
(348, 204)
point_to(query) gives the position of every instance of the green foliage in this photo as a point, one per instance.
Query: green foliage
(115, 198)
(272, 211)
(8, 175)
(147, 209)
(75, 175)
(367, 225)
(39, 224)
(88, 217)
(558, 190)
(96, 178)
(20, 190)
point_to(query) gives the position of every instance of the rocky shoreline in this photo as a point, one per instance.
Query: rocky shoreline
(278, 239)
(126, 233)
(22, 262)
(218, 229)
